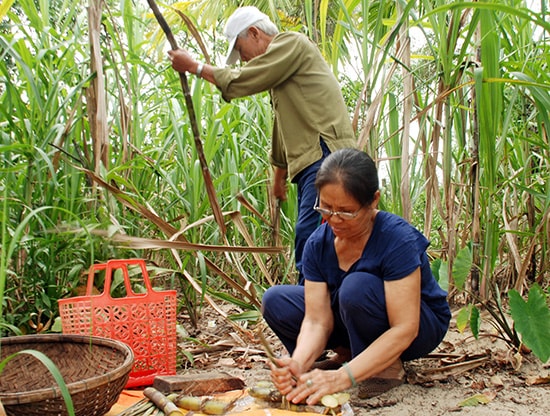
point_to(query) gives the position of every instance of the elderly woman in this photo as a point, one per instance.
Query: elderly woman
(369, 292)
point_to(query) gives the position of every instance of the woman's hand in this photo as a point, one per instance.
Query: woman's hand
(312, 386)
(308, 387)
(284, 374)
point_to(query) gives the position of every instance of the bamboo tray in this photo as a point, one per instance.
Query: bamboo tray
(94, 369)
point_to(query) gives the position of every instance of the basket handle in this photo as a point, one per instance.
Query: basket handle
(118, 264)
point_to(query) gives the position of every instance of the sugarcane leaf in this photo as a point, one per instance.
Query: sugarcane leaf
(532, 320)
(538, 89)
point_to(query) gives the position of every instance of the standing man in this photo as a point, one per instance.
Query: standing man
(310, 116)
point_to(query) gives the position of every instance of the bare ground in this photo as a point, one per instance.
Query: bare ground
(464, 376)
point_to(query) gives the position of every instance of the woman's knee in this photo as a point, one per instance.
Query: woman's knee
(282, 302)
(270, 300)
(360, 290)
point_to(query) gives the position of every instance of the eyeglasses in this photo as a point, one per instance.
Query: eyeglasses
(344, 215)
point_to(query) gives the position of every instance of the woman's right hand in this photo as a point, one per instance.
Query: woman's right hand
(284, 373)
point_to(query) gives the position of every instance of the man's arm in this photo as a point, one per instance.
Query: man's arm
(182, 61)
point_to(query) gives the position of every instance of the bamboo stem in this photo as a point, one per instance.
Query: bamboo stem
(268, 351)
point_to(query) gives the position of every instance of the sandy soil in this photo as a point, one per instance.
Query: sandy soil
(463, 376)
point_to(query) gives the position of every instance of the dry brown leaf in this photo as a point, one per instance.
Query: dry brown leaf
(496, 381)
(441, 373)
(537, 380)
(478, 385)
(516, 360)
(229, 362)
(501, 357)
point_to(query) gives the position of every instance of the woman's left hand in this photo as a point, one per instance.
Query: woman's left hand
(312, 386)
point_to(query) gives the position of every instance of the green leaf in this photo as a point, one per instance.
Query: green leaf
(469, 315)
(439, 270)
(475, 400)
(11, 328)
(57, 327)
(435, 266)
(462, 318)
(462, 266)
(475, 321)
(4, 7)
(532, 320)
(253, 316)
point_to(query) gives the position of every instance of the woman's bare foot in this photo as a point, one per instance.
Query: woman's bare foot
(394, 371)
(382, 382)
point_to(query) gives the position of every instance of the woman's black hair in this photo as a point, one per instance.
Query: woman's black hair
(354, 170)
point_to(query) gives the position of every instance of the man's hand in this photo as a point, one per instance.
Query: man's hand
(182, 61)
(279, 184)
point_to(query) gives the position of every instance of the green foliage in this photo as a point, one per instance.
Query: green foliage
(469, 316)
(532, 320)
(472, 171)
(461, 268)
(439, 270)
(475, 321)
(475, 400)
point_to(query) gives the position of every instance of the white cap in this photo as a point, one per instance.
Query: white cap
(241, 19)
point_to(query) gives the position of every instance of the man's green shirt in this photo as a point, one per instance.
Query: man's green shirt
(306, 99)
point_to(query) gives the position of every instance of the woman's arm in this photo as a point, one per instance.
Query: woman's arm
(314, 333)
(403, 308)
(317, 325)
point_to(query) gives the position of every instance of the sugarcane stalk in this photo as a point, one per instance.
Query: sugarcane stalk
(267, 348)
(162, 402)
(276, 223)
(138, 409)
(210, 190)
(153, 411)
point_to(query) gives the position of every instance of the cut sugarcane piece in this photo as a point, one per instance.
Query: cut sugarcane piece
(189, 402)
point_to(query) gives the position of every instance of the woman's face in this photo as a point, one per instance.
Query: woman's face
(334, 198)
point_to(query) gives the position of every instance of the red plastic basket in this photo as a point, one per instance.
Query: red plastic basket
(145, 322)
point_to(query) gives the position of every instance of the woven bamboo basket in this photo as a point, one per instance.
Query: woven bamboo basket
(94, 369)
